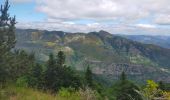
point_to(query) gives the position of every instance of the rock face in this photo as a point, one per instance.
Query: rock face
(133, 71)
(108, 55)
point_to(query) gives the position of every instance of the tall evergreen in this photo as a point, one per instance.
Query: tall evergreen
(21, 64)
(7, 29)
(60, 59)
(7, 38)
(35, 77)
(59, 75)
(88, 77)
(125, 89)
(68, 77)
(161, 85)
(51, 73)
(123, 77)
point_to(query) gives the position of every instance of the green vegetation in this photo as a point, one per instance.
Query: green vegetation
(124, 89)
(7, 38)
(59, 75)
(22, 77)
(23, 93)
(142, 60)
(104, 53)
(88, 77)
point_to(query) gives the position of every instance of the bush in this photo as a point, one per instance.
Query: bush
(65, 92)
(89, 94)
(81, 94)
(22, 81)
(150, 91)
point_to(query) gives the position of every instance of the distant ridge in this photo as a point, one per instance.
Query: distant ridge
(107, 54)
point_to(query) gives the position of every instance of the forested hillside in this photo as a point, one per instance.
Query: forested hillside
(44, 65)
(113, 54)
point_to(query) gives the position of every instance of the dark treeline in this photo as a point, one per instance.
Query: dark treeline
(20, 68)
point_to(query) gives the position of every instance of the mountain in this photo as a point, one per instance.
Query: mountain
(108, 55)
(163, 41)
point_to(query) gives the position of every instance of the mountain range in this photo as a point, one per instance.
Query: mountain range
(163, 41)
(106, 54)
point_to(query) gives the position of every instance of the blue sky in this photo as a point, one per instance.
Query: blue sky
(149, 17)
(25, 12)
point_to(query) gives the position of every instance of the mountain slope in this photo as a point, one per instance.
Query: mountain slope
(108, 55)
(163, 41)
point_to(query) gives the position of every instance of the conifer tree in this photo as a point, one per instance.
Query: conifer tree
(161, 85)
(66, 76)
(7, 38)
(88, 77)
(7, 29)
(123, 76)
(60, 59)
(51, 73)
(125, 89)
(59, 75)
(36, 76)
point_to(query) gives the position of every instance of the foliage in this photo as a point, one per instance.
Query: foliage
(22, 81)
(7, 38)
(58, 75)
(161, 85)
(88, 77)
(60, 59)
(50, 44)
(19, 64)
(166, 95)
(36, 76)
(24, 93)
(123, 77)
(150, 91)
(124, 89)
(51, 74)
(112, 49)
(65, 92)
(33, 79)
(7, 29)
(89, 94)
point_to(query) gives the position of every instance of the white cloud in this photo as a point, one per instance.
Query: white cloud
(146, 26)
(114, 29)
(163, 19)
(71, 23)
(61, 15)
(22, 1)
(103, 9)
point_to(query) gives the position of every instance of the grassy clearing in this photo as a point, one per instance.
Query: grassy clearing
(21, 93)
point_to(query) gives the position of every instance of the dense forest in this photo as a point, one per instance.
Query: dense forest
(22, 77)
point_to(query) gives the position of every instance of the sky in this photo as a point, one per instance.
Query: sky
(139, 17)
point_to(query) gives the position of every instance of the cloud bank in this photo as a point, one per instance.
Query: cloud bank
(126, 16)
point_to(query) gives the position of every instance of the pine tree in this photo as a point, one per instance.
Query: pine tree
(123, 77)
(35, 78)
(7, 38)
(88, 77)
(60, 59)
(59, 75)
(7, 29)
(51, 74)
(22, 65)
(125, 89)
(161, 85)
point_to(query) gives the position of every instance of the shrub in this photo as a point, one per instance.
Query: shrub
(22, 81)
